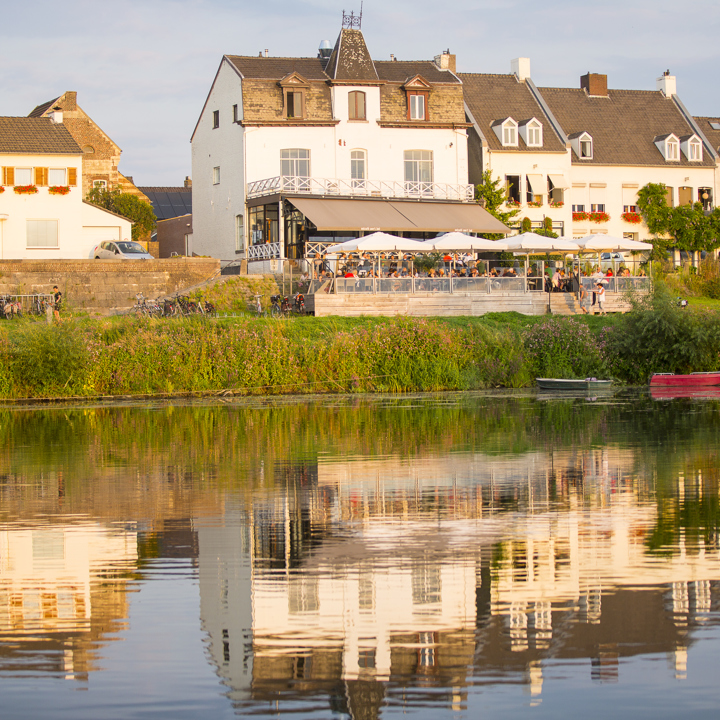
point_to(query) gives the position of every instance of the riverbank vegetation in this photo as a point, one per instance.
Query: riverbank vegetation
(128, 356)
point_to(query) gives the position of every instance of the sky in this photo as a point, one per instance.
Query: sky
(143, 68)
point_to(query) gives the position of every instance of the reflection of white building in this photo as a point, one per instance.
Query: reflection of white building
(57, 579)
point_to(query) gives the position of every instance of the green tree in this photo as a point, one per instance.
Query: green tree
(130, 206)
(491, 195)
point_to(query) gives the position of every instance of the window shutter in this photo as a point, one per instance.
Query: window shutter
(72, 176)
(41, 175)
(9, 176)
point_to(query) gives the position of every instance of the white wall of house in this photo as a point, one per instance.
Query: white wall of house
(523, 164)
(25, 214)
(587, 189)
(216, 204)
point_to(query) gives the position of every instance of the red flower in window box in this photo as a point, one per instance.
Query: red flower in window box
(580, 216)
(598, 217)
(512, 204)
(535, 203)
(59, 189)
(632, 217)
(2, 189)
(557, 204)
(26, 189)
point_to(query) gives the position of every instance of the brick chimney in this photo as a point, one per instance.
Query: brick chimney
(446, 61)
(594, 85)
(70, 101)
(188, 182)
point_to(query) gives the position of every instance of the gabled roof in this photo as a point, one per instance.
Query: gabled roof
(350, 60)
(38, 136)
(276, 68)
(41, 109)
(494, 98)
(624, 125)
(711, 133)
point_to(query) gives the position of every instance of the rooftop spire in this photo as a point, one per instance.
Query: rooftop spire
(352, 21)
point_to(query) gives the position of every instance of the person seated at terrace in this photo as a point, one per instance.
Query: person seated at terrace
(555, 281)
(609, 273)
(474, 272)
(349, 273)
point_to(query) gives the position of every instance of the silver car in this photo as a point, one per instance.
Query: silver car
(120, 250)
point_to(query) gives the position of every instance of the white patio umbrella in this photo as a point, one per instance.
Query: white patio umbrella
(378, 242)
(610, 243)
(461, 241)
(532, 242)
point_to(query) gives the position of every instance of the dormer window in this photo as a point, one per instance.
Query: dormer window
(669, 146)
(692, 148)
(417, 90)
(507, 132)
(582, 144)
(531, 132)
(294, 88)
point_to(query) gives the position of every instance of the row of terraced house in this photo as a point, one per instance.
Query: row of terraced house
(290, 155)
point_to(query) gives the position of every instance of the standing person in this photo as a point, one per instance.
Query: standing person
(57, 302)
(600, 296)
(584, 300)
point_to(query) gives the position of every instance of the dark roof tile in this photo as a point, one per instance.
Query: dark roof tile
(711, 133)
(37, 136)
(350, 60)
(276, 68)
(399, 71)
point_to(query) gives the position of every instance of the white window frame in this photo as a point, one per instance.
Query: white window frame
(239, 233)
(695, 151)
(102, 184)
(48, 232)
(295, 162)
(358, 167)
(532, 133)
(216, 175)
(61, 173)
(24, 169)
(419, 168)
(418, 110)
(672, 150)
(584, 146)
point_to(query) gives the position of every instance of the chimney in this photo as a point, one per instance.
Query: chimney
(446, 61)
(667, 84)
(520, 67)
(595, 85)
(56, 116)
(188, 182)
(70, 102)
(266, 52)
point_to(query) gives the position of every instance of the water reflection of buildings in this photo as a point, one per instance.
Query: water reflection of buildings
(405, 581)
(62, 590)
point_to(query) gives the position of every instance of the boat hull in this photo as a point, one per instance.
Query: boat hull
(572, 384)
(702, 379)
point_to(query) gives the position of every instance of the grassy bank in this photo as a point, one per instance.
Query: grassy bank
(123, 356)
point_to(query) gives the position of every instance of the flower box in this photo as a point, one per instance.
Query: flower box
(535, 203)
(632, 217)
(59, 189)
(2, 189)
(512, 204)
(580, 216)
(26, 189)
(598, 217)
(557, 204)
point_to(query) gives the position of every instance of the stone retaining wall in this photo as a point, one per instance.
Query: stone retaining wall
(104, 286)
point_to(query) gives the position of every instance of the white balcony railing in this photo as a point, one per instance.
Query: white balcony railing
(267, 251)
(359, 188)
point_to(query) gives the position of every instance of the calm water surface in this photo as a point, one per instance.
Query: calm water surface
(445, 556)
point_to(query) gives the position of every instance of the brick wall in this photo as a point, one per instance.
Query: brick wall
(102, 286)
(263, 101)
(445, 104)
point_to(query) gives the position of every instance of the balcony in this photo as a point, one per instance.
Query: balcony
(336, 187)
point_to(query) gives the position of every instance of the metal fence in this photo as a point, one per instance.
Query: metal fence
(35, 304)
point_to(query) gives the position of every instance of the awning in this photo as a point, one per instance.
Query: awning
(537, 184)
(410, 216)
(559, 181)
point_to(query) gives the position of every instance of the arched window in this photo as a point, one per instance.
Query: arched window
(356, 105)
(358, 168)
(88, 149)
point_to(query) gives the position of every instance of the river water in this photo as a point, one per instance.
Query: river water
(440, 556)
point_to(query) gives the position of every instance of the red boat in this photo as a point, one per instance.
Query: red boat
(696, 379)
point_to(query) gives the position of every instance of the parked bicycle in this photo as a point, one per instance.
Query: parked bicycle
(299, 303)
(280, 306)
(10, 307)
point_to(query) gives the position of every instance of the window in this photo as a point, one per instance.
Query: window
(416, 106)
(235, 113)
(630, 208)
(578, 208)
(295, 162)
(715, 125)
(42, 233)
(705, 196)
(294, 103)
(507, 132)
(88, 149)
(418, 170)
(673, 150)
(239, 233)
(356, 105)
(695, 151)
(23, 176)
(216, 119)
(597, 207)
(216, 175)
(358, 168)
(531, 133)
(512, 187)
(509, 135)
(582, 144)
(57, 176)
(586, 150)
(101, 184)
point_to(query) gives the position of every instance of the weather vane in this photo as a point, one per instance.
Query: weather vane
(352, 20)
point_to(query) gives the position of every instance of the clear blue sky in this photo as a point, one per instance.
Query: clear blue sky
(142, 68)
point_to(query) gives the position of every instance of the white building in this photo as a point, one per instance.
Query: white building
(42, 212)
(514, 138)
(293, 154)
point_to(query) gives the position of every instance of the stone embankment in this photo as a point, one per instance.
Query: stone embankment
(101, 287)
